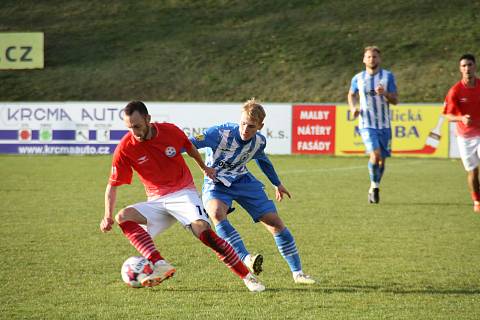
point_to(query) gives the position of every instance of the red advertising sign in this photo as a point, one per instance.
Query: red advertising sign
(313, 129)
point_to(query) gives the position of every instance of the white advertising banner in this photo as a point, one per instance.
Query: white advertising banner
(97, 127)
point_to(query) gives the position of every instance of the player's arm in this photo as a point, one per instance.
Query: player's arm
(391, 97)
(209, 138)
(465, 118)
(352, 98)
(451, 110)
(110, 199)
(121, 174)
(207, 171)
(267, 168)
(352, 103)
(391, 93)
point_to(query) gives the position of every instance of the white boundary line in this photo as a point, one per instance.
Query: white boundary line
(283, 173)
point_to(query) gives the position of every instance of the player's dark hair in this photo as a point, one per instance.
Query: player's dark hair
(133, 106)
(468, 56)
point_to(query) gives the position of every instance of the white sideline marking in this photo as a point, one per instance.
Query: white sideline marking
(409, 163)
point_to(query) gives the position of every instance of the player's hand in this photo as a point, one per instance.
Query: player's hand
(466, 119)
(355, 112)
(106, 224)
(380, 90)
(210, 172)
(279, 191)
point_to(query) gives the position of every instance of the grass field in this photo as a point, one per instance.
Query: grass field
(416, 255)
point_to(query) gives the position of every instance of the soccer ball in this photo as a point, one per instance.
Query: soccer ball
(134, 270)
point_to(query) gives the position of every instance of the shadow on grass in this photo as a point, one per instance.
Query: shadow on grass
(349, 289)
(398, 290)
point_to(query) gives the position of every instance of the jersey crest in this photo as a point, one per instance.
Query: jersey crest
(170, 151)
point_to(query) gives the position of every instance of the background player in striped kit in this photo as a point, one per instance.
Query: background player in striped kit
(153, 150)
(374, 89)
(229, 148)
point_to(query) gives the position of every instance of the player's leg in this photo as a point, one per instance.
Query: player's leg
(226, 254)
(286, 246)
(140, 223)
(375, 174)
(130, 221)
(372, 145)
(252, 197)
(218, 200)
(474, 187)
(384, 137)
(188, 209)
(377, 143)
(217, 211)
(374, 167)
(382, 165)
(469, 153)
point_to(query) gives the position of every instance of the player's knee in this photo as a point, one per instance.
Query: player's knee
(217, 215)
(120, 216)
(375, 157)
(124, 215)
(273, 223)
(199, 226)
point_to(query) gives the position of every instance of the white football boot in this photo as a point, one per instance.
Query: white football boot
(162, 270)
(253, 284)
(254, 263)
(303, 278)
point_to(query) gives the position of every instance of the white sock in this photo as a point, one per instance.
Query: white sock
(248, 276)
(296, 273)
(160, 262)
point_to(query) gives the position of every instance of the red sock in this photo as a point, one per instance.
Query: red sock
(475, 196)
(225, 252)
(141, 240)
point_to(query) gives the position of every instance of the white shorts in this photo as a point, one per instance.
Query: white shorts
(469, 151)
(184, 206)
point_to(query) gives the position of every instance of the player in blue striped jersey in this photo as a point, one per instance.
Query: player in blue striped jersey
(374, 90)
(229, 148)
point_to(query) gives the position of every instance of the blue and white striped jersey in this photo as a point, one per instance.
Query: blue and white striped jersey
(228, 154)
(374, 109)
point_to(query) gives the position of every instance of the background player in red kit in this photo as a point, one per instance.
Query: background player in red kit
(153, 150)
(462, 105)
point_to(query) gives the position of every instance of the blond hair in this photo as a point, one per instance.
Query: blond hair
(372, 48)
(254, 110)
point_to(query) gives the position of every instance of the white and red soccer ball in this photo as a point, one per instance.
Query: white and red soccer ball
(134, 270)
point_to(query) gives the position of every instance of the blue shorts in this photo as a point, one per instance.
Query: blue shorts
(247, 191)
(377, 139)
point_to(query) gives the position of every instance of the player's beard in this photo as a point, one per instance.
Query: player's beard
(374, 67)
(144, 136)
(147, 132)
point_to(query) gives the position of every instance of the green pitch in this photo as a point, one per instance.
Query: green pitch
(416, 255)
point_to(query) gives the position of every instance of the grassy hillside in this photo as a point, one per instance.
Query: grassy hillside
(276, 50)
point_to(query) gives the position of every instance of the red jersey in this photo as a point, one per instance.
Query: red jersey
(157, 161)
(463, 100)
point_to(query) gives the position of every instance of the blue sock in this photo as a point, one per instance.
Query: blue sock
(374, 172)
(381, 169)
(228, 233)
(288, 249)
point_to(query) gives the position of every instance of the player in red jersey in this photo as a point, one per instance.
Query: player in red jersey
(153, 150)
(462, 105)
